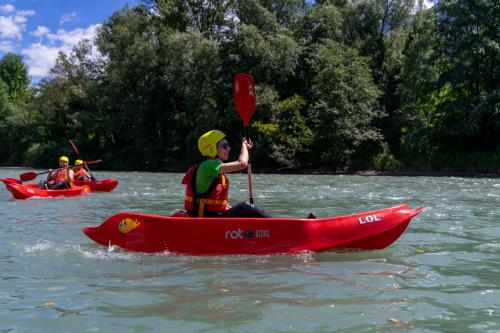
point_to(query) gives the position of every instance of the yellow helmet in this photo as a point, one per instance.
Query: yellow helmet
(207, 143)
(78, 162)
(64, 158)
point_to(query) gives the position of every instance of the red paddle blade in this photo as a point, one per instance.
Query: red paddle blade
(27, 176)
(244, 96)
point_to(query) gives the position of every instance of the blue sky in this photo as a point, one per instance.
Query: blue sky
(38, 29)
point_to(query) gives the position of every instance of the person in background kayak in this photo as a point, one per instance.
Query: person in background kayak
(207, 186)
(80, 172)
(61, 178)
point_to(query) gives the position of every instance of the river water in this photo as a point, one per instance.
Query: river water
(442, 275)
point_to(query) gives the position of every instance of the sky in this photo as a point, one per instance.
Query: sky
(38, 29)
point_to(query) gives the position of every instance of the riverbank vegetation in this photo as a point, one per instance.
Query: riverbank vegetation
(341, 85)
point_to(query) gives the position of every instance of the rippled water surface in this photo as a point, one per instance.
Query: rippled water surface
(442, 275)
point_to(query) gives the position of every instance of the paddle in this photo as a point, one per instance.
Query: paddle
(84, 163)
(27, 176)
(244, 100)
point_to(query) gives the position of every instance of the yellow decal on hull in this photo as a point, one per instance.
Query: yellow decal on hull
(127, 225)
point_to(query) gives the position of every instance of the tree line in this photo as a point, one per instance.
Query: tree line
(341, 85)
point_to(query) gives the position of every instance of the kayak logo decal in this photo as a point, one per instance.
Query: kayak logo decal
(248, 234)
(369, 219)
(126, 225)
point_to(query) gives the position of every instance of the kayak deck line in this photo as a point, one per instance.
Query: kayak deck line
(181, 234)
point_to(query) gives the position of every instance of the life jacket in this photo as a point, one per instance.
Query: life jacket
(81, 175)
(213, 200)
(60, 175)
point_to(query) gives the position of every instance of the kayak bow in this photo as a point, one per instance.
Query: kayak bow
(9, 180)
(182, 234)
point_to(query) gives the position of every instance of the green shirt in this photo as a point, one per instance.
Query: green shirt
(207, 172)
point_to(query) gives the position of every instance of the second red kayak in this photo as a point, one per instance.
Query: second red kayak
(31, 190)
(102, 185)
(182, 234)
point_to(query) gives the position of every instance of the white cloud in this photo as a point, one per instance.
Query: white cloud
(25, 12)
(6, 46)
(20, 19)
(428, 4)
(13, 26)
(40, 31)
(41, 58)
(67, 17)
(9, 28)
(74, 36)
(8, 8)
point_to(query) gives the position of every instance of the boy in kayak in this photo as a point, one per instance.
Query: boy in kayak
(207, 186)
(80, 172)
(61, 178)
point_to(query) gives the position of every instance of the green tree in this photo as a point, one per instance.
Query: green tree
(16, 116)
(160, 84)
(344, 103)
(261, 46)
(470, 29)
(285, 140)
(320, 22)
(14, 74)
(369, 81)
(419, 87)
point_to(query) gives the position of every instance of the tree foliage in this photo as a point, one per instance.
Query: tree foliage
(16, 116)
(340, 85)
(344, 102)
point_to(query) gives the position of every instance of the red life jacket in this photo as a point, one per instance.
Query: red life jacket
(60, 175)
(213, 200)
(81, 175)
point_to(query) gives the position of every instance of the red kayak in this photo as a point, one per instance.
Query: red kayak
(103, 185)
(181, 234)
(31, 190)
